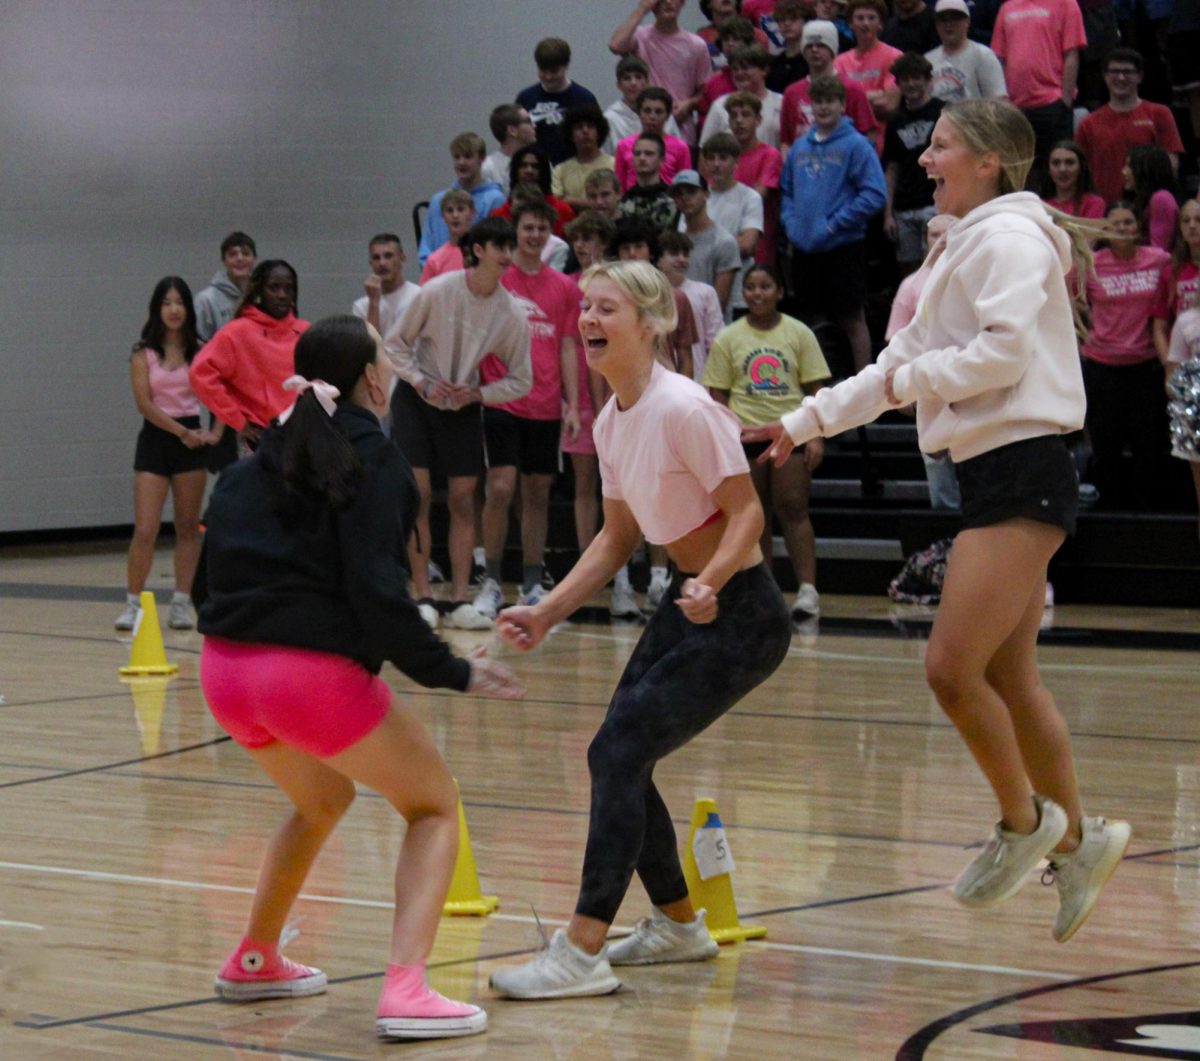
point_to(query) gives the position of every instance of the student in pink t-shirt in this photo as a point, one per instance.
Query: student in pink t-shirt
(521, 437)
(869, 63)
(1181, 282)
(796, 114)
(653, 108)
(171, 449)
(1039, 42)
(678, 60)
(1122, 374)
(1067, 184)
(458, 211)
(672, 466)
(1149, 179)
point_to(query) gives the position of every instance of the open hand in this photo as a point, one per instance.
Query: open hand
(491, 678)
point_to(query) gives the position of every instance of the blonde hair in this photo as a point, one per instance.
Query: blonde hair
(999, 127)
(645, 287)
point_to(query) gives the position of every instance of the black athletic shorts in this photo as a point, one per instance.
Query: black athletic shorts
(451, 440)
(163, 453)
(531, 446)
(1034, 478)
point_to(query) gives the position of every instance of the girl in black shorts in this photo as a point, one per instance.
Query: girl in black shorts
(992, 364)
(170, 450)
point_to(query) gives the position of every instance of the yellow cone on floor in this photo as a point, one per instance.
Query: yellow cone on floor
(149, 702)
(466, 898)
(147, 656)
(708, 869)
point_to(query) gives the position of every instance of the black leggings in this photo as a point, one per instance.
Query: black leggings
(681, 678)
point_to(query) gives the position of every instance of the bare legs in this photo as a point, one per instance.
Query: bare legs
(149, 497)
(784, 491)
(982, 667)
(587, 505)
(399, 760)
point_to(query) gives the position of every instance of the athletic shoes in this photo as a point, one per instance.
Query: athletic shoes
(427, 1015)
(561, 970)
(490, 599)
(658, 939)
(660, 582)
(999, 870)
(623, 604)
(250, 975)
(436, 575)
(429, 612)
(129, 616)
(535, 595)
(180, 615)
(807, 604)
(1080, 874)
(465, 616)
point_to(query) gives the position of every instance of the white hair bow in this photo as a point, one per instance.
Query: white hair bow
(326, 393)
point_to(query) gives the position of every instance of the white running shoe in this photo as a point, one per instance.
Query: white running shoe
(466, 617)
(129, 616)
(1002, 867)
(435, 573)
(180, 616)
(807, 604)
(535, 596)
(1080, 874)
(490, 599)
(660, 582)
(561, 970)
(623, 603)
(429, 612)
(657, 939)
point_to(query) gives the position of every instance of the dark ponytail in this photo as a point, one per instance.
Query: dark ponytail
(317, 460)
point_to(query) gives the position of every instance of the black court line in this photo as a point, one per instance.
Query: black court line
(191, 682)
(914, 1047)
(88, 637)
(848, 900)
(210, 1000)
(228, 1044)
(112, 766)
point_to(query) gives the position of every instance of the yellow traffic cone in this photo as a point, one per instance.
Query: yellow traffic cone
(465, 896)
(147, 656)
(149, 702)
(708, 870)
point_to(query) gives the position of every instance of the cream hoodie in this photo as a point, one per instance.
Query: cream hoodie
(990, 357)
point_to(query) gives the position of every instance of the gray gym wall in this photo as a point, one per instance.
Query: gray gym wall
(136, 133)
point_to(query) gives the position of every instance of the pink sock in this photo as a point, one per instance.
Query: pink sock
(406, 994)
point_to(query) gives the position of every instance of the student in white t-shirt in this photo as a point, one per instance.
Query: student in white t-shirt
(387, 292)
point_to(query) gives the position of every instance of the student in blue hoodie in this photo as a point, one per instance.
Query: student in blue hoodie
(832, 184)
(468, 152)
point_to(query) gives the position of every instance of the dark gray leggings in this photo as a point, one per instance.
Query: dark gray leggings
(680, 679)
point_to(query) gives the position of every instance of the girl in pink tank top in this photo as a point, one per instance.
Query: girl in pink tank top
(170, 452)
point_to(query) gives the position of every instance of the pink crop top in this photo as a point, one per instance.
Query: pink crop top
(667, 453)
(170, 390)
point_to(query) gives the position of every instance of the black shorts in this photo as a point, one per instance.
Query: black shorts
(531, 446)
(162, 453)
(832, 283)
(1034, 478)
(451, 440)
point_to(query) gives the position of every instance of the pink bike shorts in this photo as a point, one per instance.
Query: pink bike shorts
(317, 702)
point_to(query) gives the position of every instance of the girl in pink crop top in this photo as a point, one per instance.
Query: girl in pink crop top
(672, 466)
(171, 448)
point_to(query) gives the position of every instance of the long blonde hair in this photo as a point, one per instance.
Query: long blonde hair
(997, 126)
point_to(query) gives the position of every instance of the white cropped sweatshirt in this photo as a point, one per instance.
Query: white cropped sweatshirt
(990, 357)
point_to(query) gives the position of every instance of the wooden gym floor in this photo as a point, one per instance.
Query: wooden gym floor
(130, 833)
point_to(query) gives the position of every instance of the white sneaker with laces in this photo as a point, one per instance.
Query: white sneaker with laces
(180, 616)
(428, 612)
(657, 939)
(1002, 867)
(807, 604)
(129, 616)
(489, 599)
(1080, 874)
(560, 970)
(466, 617)
(623, 603)
(534, 596)
(660, 582)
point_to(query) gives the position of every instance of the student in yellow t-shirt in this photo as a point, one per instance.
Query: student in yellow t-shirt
(762, 366)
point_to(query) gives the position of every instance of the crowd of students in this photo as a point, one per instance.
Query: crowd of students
(756, 165)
